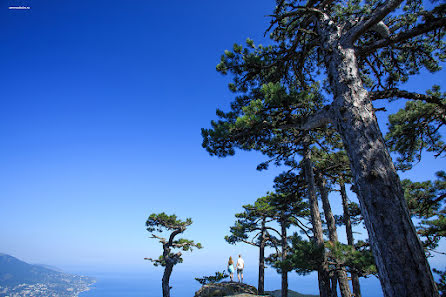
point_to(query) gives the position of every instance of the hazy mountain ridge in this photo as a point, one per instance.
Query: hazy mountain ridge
(18, 278)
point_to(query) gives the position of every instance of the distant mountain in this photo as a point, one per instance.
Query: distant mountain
(50, 267)
(17, 276)
(14, 272)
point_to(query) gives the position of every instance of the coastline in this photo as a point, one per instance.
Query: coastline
(87, 288)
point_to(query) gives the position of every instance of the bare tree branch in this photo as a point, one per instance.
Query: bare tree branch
(404, 35)
(248, 242)
(271, 228)
(320, 118)
(161, 239)
(391, 93)
(365, 25)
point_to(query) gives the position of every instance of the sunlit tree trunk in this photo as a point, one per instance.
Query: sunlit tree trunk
(400, 259)
(340, 272)
(323, 272)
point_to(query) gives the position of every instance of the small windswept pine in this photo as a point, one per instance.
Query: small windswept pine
(165, 223)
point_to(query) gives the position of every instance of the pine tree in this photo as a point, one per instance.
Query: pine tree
(289, 209)
(415, 128)
(252, 228)
(426, 202)
(165, 223)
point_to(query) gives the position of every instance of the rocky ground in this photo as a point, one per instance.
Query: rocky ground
(234, 289)
(226, 289)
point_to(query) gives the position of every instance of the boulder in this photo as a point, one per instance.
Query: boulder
(225, 289)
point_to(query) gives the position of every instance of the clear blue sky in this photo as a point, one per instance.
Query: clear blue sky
(101, 108)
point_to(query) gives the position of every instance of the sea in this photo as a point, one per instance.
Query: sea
(183, 285)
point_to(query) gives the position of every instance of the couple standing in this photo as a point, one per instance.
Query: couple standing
(240, 265)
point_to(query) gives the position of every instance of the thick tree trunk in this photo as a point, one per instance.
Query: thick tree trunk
(399, 255)
(340, 272)
(284, 243)
(261, 287)
(350, 240)
(323, 273)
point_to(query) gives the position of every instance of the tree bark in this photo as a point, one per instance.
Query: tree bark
(166, 278)
(261, 283)
(168, 268)
(284, 287)
(350, 240)
(399, 255)
(323, 273)
(334, 286)
(340, 272)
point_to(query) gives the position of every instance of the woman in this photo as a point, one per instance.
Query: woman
(231, 268)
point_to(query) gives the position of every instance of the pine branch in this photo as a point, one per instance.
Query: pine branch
(161, 239)
(391, 93)
(248, 242)
(404, 35)
(272, 229)
(316, 120)
(365, 25)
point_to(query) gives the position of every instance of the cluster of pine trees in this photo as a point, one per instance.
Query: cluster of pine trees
(306, 102)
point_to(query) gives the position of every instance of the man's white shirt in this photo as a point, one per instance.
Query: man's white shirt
(240, 263)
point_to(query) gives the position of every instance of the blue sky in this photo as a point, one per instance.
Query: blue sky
(102, 103)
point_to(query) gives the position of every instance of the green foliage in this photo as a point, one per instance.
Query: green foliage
(355, 215)
(213, 278)
(162, 222)
(441, 283)
(426, 202)
(252, 123)
(186, 245)
(417, 128)
(357, 259)
(249, 222)
(304, 256)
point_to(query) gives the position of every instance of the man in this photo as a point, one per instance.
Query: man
(240, 266)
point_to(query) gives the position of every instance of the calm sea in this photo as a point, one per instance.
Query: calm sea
(184, 285)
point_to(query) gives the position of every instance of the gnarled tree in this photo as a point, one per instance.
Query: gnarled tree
(162, 223)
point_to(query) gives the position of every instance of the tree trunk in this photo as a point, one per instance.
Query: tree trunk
(166, 277)
(284, 287)
(261, 287)
(340, 272)
(334, 286)
(400, 259)
(350, 240)
(323, 273)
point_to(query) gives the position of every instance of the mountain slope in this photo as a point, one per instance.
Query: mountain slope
(14, 272)
(18, 278)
